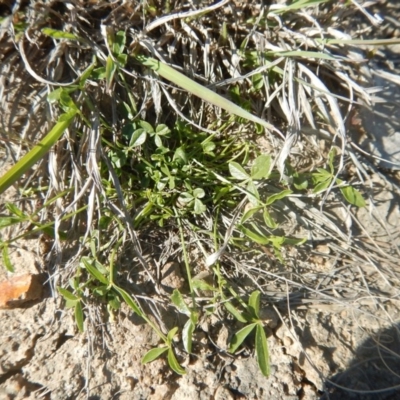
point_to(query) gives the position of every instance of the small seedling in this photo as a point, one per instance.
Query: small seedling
(251, 317)
(323, 179)
(190, 325)
(259, 170)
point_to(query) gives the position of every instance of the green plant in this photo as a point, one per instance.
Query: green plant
(103, 286)
(38, 151)
(259, 170)
(323, 179)
(188, 170)
(251, 317)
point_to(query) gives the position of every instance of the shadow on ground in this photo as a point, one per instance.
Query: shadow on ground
(374, 374)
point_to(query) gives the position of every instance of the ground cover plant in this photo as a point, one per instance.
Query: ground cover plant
(157, 132)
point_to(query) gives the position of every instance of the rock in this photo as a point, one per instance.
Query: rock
(18, 290)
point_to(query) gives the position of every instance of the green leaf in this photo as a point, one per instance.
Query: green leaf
(254, 303)
(202, 285)
(67, 294)
(66, 101)
(119, 43)
(353, 196)
(54, 95)
(55, 34)
(300, 182)
(37, 153)
(86, 74)
(8, 221)
(235, 312)
(162, 130)
(249, 213)
(187, 334)
(321, 176)
(199, 207)
(254, 236)
(100, 267)
(6, 259)
(173, 363)
(261, 167)
(186, 197)
(322, 186)
(278, 254)
(179, 302)
(171, 334)
(153, 354)
(294, 241)
(79, 316)
(257, 81)
(237, 171)
(70, 304)
(180, 155)
(269, 221)
(138, 138)
(195, 88)
(208, 148)
(94, 271)
(240, 336)
(101, 290)
(111, 67)
(278, 196)
(262, 350)
(15, 210)
(277, 241)
(99, 73)
(129, 300)
(252, 194)
(68, 116)
(158, 141)
(146, 126)
(114, 303)
(198, 193)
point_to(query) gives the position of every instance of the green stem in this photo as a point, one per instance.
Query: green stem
(185, 257)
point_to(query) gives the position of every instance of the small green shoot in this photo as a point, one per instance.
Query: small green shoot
(157, 352)
(190, 325)
(251, 317)
(103, 286)
(259, 170)
(323, 179)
